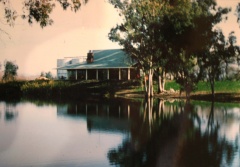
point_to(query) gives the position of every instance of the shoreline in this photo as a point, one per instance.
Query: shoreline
(60, 90)
(219, 96)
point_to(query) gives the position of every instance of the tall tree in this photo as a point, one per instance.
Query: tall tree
(220, 54)
(136, 34)
(192, 40)
(192, 45)
(145, 32)
(10, 71)
(176, 27)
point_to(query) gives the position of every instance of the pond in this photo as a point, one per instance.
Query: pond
(119, 132)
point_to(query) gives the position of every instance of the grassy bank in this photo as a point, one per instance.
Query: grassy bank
(225, 91)
(11, 90)
(74, 89)
(62, 89)
(204, 87)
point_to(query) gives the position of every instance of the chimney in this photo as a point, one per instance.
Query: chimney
(90, 57)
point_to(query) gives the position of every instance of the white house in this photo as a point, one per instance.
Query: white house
(98, 65)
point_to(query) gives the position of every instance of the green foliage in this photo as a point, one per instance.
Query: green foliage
(152, 32)
(47, 75)
(56, 90)
(225, 86)
(11, 90)
(38, 10)
(10, 71)
(173, 85)
(162, 35)
(44, 88)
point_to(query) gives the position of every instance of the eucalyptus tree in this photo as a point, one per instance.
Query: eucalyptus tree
(196, 50)
(37, 10)
(136, 34)
(145, 33)
(219, 55)
(177, 28)
(192, 50)
(231, 53)
(169, 36)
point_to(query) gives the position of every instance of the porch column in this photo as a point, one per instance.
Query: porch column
(96, 74)
(76, 75)
(119, 74)
(86, 75)
(128, 73)
(108, 74)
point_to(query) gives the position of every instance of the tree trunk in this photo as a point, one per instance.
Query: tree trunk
(161, 81)
(226, 70)
(150, 83)
(145, 82)
(212, 83)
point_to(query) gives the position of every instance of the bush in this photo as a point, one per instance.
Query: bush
(44, 88)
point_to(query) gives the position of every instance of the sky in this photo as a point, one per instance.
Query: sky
(73, 34)
(36, 50)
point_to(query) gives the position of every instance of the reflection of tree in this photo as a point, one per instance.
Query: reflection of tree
(161, 135)
(125, 155)
(150, 132)
(10, 112)
(205, 149)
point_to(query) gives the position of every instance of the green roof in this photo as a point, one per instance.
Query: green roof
(115, 58)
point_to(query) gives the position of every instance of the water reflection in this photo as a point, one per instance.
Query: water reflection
(108, 116)
(153, 133)
(8, 129)
(9, 111)
(206, 143)
(173, 135)
(136, 132)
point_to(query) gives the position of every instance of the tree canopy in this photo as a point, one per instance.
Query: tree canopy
(173, 36)
(37, 10)
(10, 71)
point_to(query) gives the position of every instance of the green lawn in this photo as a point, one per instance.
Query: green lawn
(220, 86)
(204, 87)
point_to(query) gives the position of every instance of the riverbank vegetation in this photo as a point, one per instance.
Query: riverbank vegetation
(62, 89)
(225, 90)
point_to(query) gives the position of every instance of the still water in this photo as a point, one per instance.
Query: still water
(118, 132)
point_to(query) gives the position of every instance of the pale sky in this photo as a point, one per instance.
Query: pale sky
(35, 49)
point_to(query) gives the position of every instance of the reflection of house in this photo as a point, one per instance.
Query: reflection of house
(99, 65)
(102, 116)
